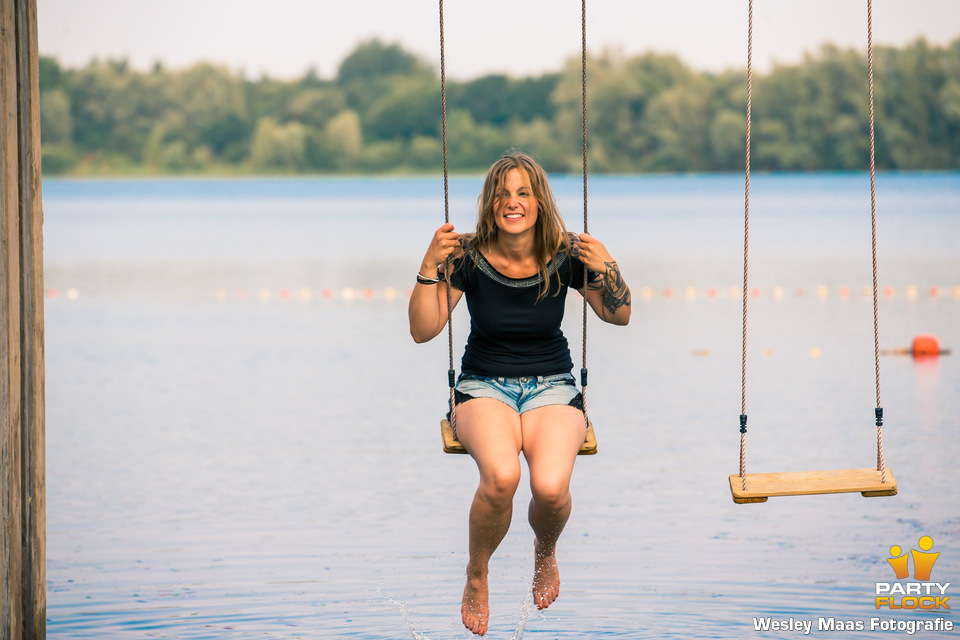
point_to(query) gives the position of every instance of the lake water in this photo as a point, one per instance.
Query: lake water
(243, 441)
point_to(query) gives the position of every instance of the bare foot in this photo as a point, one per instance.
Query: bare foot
(475, 608)
(546, 578)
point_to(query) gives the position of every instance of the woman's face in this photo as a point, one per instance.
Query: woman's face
(515, 208)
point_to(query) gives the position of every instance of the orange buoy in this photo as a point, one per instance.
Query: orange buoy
(924, 346)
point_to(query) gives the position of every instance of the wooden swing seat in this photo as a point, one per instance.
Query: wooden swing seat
(761, 486)
(452, 445)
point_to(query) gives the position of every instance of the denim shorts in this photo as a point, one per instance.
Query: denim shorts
(521, 394)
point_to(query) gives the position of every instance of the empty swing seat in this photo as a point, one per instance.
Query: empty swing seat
(757, 487)
(761, 486)
(452, 445)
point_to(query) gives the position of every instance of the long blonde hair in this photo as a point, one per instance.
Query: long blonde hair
(550, 234)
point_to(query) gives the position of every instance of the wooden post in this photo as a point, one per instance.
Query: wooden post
(23, 603)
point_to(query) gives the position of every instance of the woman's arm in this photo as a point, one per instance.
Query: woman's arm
(428, 302)
(609, 296)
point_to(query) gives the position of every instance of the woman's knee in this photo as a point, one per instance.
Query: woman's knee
(551, 493)
(499, 484)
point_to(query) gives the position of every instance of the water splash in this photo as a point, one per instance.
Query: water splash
(523, 612)
(405, 612)
(525, 609)
(406, 618)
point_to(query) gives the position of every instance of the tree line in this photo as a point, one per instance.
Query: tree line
(381, 113)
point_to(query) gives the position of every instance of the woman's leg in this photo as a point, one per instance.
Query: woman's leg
(490, 431)
(552, 436)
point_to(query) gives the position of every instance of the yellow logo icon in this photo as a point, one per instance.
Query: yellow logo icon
(922, 561)
(920, 593)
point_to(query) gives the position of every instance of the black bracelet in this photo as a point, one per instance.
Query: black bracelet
(424, 280)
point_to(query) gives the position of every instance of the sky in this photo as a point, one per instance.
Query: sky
(285, 38)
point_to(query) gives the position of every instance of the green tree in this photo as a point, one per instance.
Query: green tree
(344, 139)
(56, 132)
(498, 99)
(373, 59)
(315, 106)
(473, 146)
(276, 147)
(372, 77)
(728, 132)
(677, 127)
(113, 108)
(213, 105)
(56, 125)
(50, 74)
(411, 108)
(631, 118)
(538, 138)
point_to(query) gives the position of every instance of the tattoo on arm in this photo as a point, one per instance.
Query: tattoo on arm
(616, 293)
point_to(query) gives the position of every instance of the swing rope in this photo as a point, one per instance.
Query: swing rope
(878, 411)
(451, 373)
(746, 245)
(583, 85)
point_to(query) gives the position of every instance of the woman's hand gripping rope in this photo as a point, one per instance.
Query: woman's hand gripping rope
(445, 242)
(428, 303)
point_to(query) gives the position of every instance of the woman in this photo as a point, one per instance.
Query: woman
(515, 393)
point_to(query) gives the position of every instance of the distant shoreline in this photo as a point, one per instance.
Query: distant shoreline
(381, 115)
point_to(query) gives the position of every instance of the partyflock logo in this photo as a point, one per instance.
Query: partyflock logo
(919, 593)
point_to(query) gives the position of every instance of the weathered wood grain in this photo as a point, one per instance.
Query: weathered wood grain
(22, 414)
